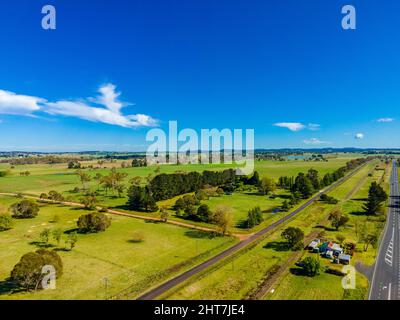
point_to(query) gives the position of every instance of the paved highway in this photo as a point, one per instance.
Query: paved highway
(152, 294)
(385, 284)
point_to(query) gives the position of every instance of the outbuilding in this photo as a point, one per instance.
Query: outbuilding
(344, 258)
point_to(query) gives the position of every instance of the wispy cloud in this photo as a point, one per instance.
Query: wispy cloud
(315, 141)
(292, 126)
(106, 109)
(313, 126)
(385, 120)
(297, 126)
(359, 136)
(17, 104)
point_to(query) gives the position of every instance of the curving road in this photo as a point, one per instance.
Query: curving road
(385, 284)
(154, 293)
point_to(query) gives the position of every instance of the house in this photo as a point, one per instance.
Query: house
(314, 245)
(331, 246)
(344, 258)
(337, 250)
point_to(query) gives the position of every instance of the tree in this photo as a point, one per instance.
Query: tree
(338, 219)
(222, 217)
(190, 211)
(376, 196)
(55, 196)
(25, 209)
(294, 237)
(311, 266)
(255, 179)
(93, 222)
(5, 221)
(72, 239)
(136, 180)
(254, 217)
(98, 177)
(267, 185)
(204, 213)
(57, 234)
(285, 206)
(303, 185)
(84, 177)
(27, 273)
(368, 236)
(164, 214)
(340, 238)
(45, 236)
(312, 175)
(74, 165)
(138, 236)
(89, 202)
(141, 199)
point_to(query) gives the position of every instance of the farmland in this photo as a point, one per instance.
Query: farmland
(112, 265)
(112, 255)
(244, 274)
(45, 177)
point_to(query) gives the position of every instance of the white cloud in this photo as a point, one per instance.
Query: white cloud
(314, 141)
(292, 126)
(297, 126)
(359, 136)
(385, 120)
(109, 98)
(313, 126)
(16, 104)
(108, 111)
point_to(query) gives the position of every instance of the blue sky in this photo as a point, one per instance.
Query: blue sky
(113, 69)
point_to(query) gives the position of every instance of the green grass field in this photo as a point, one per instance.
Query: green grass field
(165, 251)
(240, 276)
(57, 177)
(327, 286)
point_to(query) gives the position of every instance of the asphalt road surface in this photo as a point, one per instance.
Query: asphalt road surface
(154, 293)
(385, 284)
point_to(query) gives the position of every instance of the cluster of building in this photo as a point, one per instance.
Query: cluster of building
(329, 250)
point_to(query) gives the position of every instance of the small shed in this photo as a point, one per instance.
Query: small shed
(344, 258)
(314, 244)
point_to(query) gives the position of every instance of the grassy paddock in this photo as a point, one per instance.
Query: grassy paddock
(240, 276)
(165, 251)
(327, 286)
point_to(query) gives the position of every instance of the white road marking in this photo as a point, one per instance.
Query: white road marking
(390, 290)
(389, 251)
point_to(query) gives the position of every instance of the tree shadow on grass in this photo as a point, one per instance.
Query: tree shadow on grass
(297, 271)
(358, 213)
(242, 224)
(62, 249)
(121, 207)
(277, 246)
(73, 230)
(41, 245)
(359, 199)
(7, 287)
(135, 241)
(198, 234)
(154, 221)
